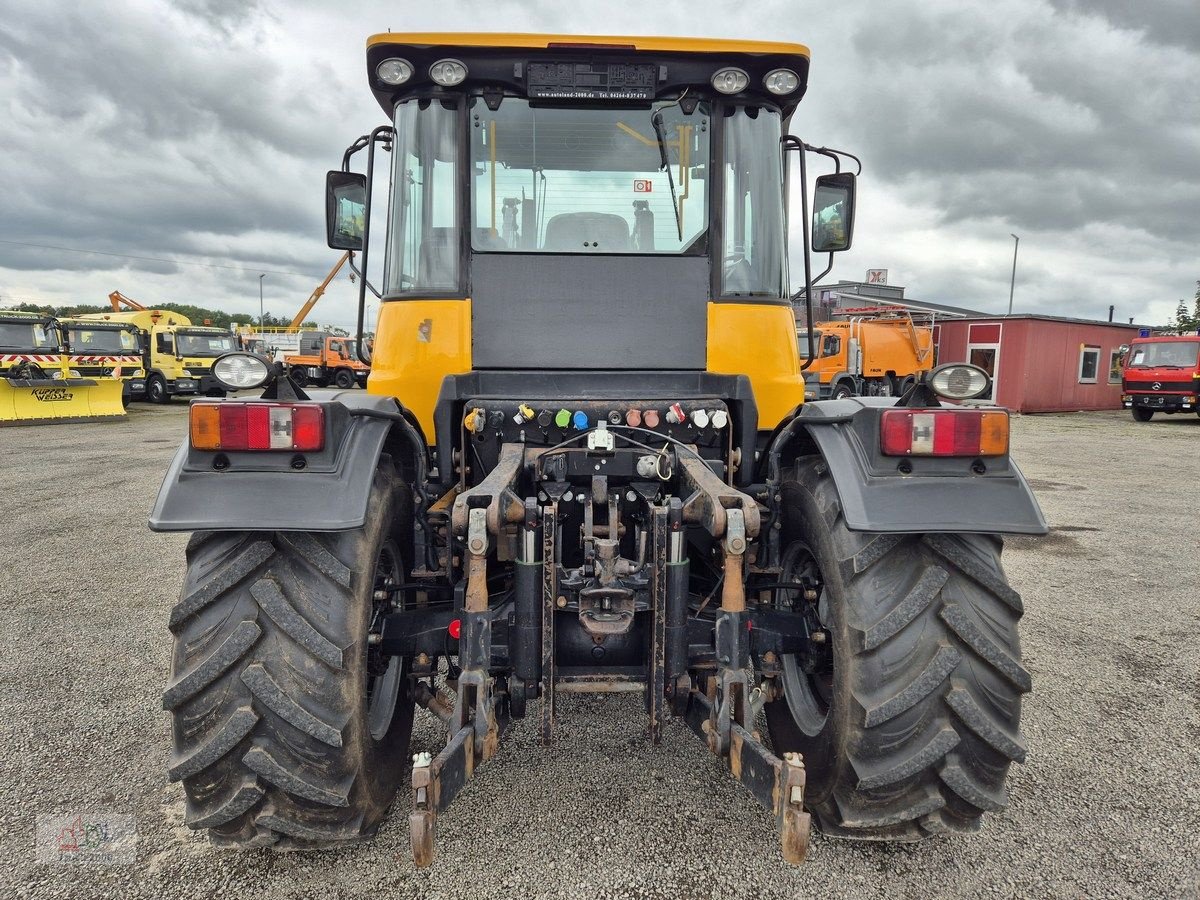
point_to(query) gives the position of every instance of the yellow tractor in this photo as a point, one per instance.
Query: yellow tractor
(584, 464)
(38, 384)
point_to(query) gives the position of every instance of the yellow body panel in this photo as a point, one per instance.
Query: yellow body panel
(542, 42)
(417, 344)
(758, 340)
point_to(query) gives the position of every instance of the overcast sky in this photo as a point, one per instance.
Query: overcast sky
(199, 131)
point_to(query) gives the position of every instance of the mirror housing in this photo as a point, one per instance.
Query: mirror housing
(833, 213)
(345, 210)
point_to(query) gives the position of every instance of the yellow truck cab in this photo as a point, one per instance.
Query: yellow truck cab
(38, 385)
(875, 352)
(98, 349)
(180, 354)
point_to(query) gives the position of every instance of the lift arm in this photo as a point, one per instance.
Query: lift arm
(316, 294)
(117, 299)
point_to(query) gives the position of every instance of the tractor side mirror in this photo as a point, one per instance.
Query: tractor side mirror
(833, 213)
(345, 210)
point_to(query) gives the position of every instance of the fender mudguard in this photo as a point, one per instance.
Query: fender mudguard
(263, 492)
(940, 495)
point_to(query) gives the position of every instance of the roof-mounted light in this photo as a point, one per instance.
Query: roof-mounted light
(394, 71)
(781, 81)
(730, 81)
(448, 72)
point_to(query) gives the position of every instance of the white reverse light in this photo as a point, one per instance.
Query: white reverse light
(781, 81)
(394, 71)
(448, 72)
(958, 381)
(240, 371)
(730, 81)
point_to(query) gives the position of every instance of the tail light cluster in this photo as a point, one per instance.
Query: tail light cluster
(257, 426)
(944, 432)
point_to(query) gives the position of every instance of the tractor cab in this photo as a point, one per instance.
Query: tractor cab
(603, 205)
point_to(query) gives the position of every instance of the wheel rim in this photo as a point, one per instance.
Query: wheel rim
(384, 673)
(808, 694)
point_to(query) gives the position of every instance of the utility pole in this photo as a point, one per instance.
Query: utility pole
(1013, 283)
(261, 317)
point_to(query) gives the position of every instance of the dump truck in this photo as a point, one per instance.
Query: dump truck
(872, 352)
(180, 353)
(1161, 374)
(584, 463)
(326, 359)
(38, 384)
(99, 349)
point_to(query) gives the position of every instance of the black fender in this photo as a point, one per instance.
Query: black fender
(939, 495)
(264, 492)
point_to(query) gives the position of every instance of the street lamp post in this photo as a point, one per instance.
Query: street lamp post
(1013, 283)
(262, 318)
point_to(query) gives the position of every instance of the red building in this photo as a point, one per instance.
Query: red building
(1040, 363)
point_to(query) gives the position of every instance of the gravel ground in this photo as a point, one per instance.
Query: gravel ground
(1105, 807)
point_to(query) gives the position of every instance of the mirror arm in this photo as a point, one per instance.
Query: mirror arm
(835, 156)
(794, 143)
(359, 274)
(382, 134)
(352, 149)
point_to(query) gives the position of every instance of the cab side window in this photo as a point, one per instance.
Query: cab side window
(831, 346)
(165, 344)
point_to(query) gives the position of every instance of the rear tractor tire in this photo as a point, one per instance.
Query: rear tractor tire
(289, 730)
(910, 723)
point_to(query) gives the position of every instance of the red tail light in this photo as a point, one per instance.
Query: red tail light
(257, 426)
(944, 432)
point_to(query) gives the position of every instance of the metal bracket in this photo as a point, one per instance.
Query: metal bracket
(735, 531)
(777, 784)
(436, 782)
(477, 532)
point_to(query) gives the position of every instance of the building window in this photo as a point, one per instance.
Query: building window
(1089, 364)
(1115, 359)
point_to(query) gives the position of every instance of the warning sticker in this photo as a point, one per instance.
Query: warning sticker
(642, 185)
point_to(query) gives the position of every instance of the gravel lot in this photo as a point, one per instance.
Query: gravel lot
(1106, 805)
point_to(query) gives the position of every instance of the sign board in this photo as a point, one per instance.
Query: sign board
(876, 276)
(1144, 332)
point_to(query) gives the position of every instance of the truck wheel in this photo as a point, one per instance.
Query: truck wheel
(344, 379)
(1142, 415)
(841, 391)
(299, 376)
(909, 724)
(156, 390)
(288, 729)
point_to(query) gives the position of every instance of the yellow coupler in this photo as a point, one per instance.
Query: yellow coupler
(33, 395)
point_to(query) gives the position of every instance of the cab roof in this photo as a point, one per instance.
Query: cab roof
(500, 60)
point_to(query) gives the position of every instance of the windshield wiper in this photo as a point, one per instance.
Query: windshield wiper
(660, 132)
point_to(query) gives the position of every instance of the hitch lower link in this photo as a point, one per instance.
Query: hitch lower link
(476, 721)
(723, 714)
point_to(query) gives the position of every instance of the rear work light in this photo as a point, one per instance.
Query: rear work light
(257, 426)
(944, 432)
